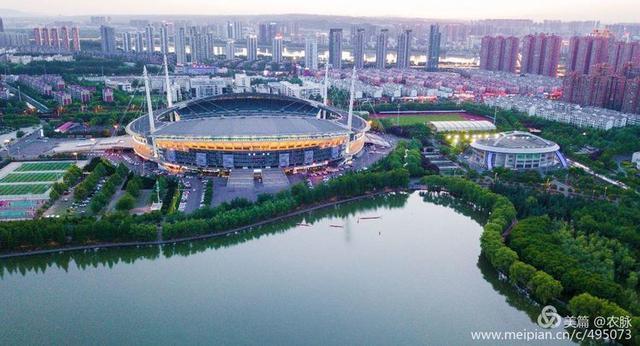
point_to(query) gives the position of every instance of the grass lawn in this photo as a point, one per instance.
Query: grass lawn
(31, 177)
(26, 189)
(44, 166)
(423, 118)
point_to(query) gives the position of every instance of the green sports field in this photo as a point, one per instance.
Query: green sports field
(422, 118)
(26, 189)
(44, 166)
(31, 177)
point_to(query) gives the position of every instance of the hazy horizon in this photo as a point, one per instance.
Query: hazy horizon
(605, 11)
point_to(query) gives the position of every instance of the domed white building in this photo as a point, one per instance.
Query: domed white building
(516, 150)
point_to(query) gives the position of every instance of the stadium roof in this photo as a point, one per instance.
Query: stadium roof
(516, 142)
(248, 115)
(463, 125)
(252, 126)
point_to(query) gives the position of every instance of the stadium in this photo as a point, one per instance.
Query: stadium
(516, 150)
(248, 130)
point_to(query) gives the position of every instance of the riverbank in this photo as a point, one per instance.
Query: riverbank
(112, 245)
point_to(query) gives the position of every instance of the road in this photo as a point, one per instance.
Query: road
(597, 175)
(39, 106)
(195, 194)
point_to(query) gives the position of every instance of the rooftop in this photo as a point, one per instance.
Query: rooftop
(252, 126)
(462, 125)
(515, 140)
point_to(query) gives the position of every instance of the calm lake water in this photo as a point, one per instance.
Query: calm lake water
(413, 277)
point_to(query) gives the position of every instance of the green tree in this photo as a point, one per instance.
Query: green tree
(126, 202)
(545, 288)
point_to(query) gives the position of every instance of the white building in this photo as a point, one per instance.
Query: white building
(635, 158)
(516, 150)
(230, 49)
(204, 86)
(306, 90)
(311, 53)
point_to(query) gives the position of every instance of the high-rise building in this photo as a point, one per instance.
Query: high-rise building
(404, 50)
(45, 37)
(381, 48)
(181, 42)
(198, 47)
(1, 25)
(64, 38)
(587, 51)
(263, 36)
(541, 54)
(252, 48)
(551, 56)
(277, 49)
(600, 49)
(194, 40)
(164, 39)
(510, 54)
(631, 96)
(602, 87)
(107, 39)
(209, 45)
(75, 39)
(230, 49)
(37, 36)
(126, 41)
(621, 54)
(358, 48)
(311, 53)
(229, 31)
(237, 30)
(499, 53)
(335, 48)
(433, 53)
(54, 38)
(139, 42)
(234, 30)
(149, 38)
(266, 32)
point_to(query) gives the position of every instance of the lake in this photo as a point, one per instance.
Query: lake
(413, 276)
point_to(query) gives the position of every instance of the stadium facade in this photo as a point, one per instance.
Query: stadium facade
(516, 150)
(248, 130)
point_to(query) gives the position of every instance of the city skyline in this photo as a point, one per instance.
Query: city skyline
(610, 11)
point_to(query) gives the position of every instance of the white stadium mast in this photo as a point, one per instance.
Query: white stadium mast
(167, 86)
(351, 97)
(152, 124)
(325, 92)
(352, 92)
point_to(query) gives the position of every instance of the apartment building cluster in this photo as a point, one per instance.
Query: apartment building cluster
(603, 87)
(61, 39)
(540, 54)
(474, 84)
(55, 87)
(603, 73)
(43, 84)
(565, 112)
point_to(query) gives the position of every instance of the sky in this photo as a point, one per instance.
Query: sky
(603, 10)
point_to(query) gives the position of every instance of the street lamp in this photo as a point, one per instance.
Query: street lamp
(75, 154)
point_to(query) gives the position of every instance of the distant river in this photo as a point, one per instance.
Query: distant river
(412, 277)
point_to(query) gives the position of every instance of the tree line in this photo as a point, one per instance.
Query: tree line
(544, 252)
(102, 197)
(501, 216)
(267, 206)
